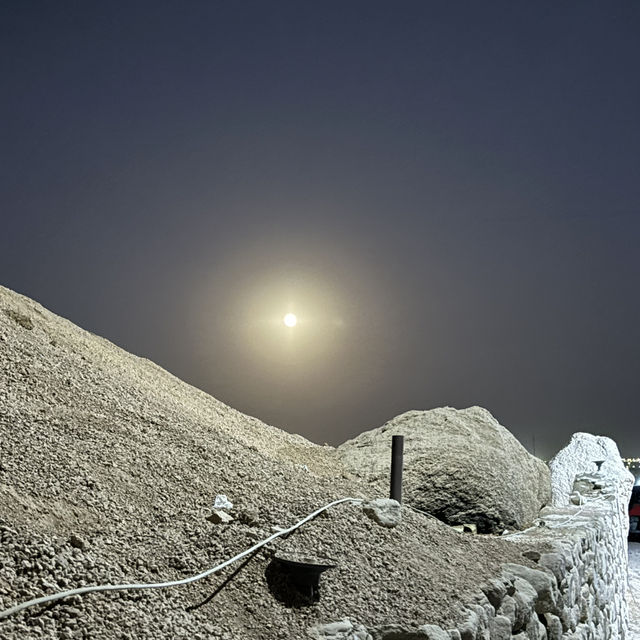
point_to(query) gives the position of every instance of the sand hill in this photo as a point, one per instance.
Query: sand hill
(109, 467)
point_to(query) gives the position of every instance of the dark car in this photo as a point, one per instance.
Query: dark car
(634, 514)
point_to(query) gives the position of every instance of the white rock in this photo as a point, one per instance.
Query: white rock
(384, 511)
(222, 502)
(341, 630)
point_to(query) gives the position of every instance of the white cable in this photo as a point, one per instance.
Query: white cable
(586, 504)
(554, 525)
(425, 513)
(160, 585)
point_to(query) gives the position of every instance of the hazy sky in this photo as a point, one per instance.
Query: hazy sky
(447, 194)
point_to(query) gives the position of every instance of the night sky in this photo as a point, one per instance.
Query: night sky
(446, 194)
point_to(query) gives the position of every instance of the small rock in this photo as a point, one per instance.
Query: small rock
(525, 602)
(554, 626)
(469, 626)
(384, 511)
(556, 563)
(495, 590)
(465, 528)
(78, 543)
(432, 632)
(500, 628)
(218, 516)
(222, 502)
(545, 586)
(341, 630)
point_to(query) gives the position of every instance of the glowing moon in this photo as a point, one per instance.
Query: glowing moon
(290, 320)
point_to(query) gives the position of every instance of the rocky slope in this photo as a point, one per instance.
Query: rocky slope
(109, 466)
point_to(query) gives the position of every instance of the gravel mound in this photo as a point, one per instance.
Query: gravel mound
(109, 467)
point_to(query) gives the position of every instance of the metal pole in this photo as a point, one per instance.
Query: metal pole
(397, 447)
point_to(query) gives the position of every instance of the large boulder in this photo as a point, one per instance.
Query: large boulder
(462, 466)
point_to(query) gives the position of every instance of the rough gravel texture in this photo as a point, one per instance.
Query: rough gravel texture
(109, 467)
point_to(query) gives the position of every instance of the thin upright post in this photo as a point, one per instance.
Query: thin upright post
(397, 448)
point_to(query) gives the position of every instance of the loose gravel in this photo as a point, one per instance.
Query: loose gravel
(109, 467)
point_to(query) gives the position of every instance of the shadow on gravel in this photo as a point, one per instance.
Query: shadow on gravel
(284, 589)
(223, 584)
(294, 579)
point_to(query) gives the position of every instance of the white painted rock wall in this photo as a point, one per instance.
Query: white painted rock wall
(580, 456)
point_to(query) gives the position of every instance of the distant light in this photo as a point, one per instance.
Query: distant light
(290, 320)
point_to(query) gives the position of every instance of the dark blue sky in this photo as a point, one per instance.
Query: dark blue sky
(447, 194)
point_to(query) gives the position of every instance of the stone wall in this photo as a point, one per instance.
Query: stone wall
(574, 587)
